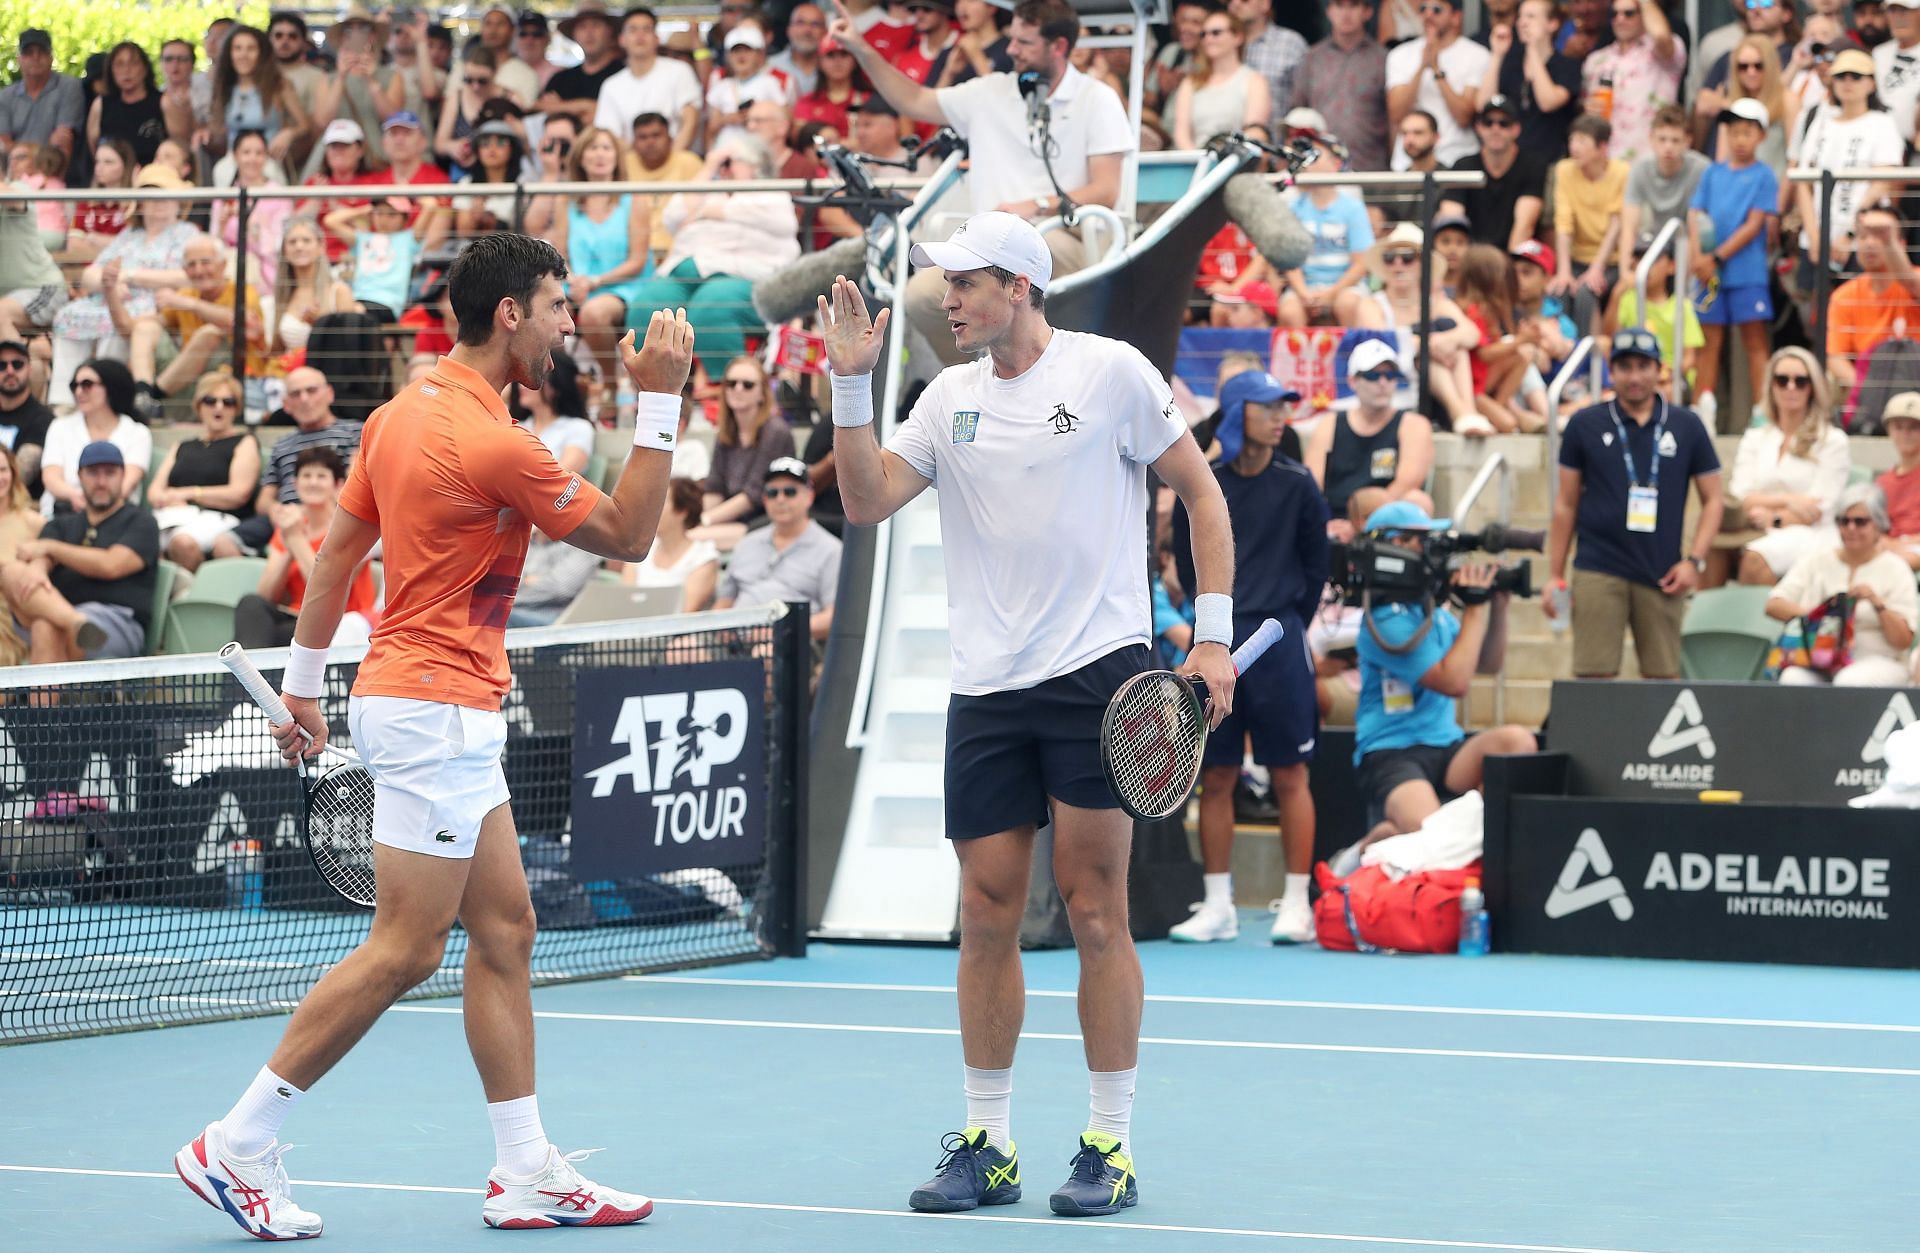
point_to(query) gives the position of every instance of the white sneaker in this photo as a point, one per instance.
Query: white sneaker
(1345, 862)
(1292, 921)
(1210, 922)
(252, 1191)
(556, 1196)
(1884, 797)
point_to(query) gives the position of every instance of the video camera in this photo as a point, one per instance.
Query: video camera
(1370, 571)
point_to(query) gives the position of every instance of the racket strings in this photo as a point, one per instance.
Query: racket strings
(1158, 732)
(340, 831)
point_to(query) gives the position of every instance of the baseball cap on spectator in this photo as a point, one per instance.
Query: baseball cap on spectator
(157, 175)
(343, 130)
(1305, 121)
(1854, 61)
(400, 204)
(1747, 109)
(101, 453)
(1535, 251)
(530, 19)
(1644, 244)
(1903, 4)
(1497, 103)
(786, 468)
(877, 104)
(745, 35)
(1404, 515)
(14, 344)
(993, 238)
(944, 6)
(404, 118)
(1371, 354)
(1902, 408)
(36, 38)
(1247, 387)
(1452, 222)
(1634, 341)
(587, 10)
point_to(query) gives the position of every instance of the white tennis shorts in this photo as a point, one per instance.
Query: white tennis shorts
(436, 771)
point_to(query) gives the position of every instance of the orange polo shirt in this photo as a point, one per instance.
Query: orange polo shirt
(455, 488)
(1866, 310)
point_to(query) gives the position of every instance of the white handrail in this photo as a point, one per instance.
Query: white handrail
(1581, 351)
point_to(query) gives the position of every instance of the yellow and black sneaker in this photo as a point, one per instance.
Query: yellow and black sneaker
(971, 1174)
(1102, 1179)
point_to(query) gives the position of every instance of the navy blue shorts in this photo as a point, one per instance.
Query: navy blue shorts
(1274, 703)
(1007, 752)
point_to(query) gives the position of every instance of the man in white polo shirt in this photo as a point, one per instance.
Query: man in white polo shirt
(1439, 73)
(649, 84)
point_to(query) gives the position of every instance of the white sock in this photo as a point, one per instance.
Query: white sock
(990, 1104)
(1219, 889)
(253, 1124)
(1111, 1107)
(1296, 889)
(519, 1143)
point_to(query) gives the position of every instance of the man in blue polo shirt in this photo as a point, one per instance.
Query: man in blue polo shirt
(1625, 469)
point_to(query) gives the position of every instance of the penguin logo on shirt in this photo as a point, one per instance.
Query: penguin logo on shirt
(1064, 423)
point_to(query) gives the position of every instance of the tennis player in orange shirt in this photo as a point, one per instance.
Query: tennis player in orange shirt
(450, 486)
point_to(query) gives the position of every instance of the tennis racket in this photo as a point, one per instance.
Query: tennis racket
(339, 818)
(1155, 732)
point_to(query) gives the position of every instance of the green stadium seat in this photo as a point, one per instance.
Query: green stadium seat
(1727, 634)
(596, 471)
(201, 621)
(1856, 475)
(165, 577)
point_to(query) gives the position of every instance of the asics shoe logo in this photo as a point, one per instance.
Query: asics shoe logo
(998, 1176)
(250, 1199)
(576, 1200)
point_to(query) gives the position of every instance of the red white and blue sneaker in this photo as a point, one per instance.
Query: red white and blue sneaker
(556, 1196)
(252, 1191)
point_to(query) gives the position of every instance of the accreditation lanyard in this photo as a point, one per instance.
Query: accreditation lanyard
(1643, 499)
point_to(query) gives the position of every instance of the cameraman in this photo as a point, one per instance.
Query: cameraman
(1409, 750)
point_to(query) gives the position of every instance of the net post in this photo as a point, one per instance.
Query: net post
(786, 914)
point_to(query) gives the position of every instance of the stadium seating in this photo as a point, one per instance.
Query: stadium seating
(201, 621)
(1727, 634)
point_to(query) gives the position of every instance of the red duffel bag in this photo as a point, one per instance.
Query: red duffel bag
(1369, 912)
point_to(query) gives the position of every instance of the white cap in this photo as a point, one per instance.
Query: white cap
(1903, 4)
(745, 35)
(1305, 119)
(1371, 354)
(343, 130)
(994, 238)
(1750, 109)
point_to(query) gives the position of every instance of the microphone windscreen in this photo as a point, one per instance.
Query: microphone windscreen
(1254, 205)
(793, 292)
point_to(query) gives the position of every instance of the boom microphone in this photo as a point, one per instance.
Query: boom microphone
(1254, 205)
(793, 292)
(1033, 89)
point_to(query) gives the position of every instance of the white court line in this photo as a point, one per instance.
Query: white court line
(975, 1217)
(1254, 1002)
(1283, 1046)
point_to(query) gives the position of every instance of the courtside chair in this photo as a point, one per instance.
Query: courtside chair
(201, 621)
(1727, 634)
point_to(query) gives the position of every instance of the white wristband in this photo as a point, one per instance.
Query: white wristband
(656, 421)
(1213, 619)
(852, 399)
(306, 671)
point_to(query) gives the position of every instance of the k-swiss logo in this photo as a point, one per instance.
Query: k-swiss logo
(1570, 896)
(1064, 423)
(1684, 727)
(1898, 716)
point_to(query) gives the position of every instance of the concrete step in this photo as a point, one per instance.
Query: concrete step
(1539, 657)
(1527, 702)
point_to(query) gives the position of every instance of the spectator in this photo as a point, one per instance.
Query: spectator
(515, 77)
(343, 164)
(265, 617)
(266, 219)
(1452, 236)
(289, 42)
(310, 401)
(362, 89)
(722, 242)
(837, 91)
(1329, 286)
(676, 558)
(556, 414)
(37, 167)
(1634, 77)
(1396, 308)
(1661, 183)
(799, 61)
(384, 253)
(191, 329)
(1507, 209)
(1900, 485)
(693, 458)
(1789, 473)
(1756, 75)
(1375, 453)
(1553, 332)
(23, 420)
(934, 36)
(103, 395)
(407, 166)
(42, 106)
(1345, 76)
(1711, 64)
(1870, 26)
(84, 589)
(531, 38)
(204, 486)
(793, 559)
(129, 110)
(422, 80)
(1437, 73)
(771, 123)
(1273, 52)
(874, 22)
(982, 48)
(1663, 307)
(1589, 197)
(1498, 364)
(1172, 61)
(1252, 298)
(1854, 132)
(552, 576)
(1809, 75)
(879, 132)
(499, 155)
(648, 84)
(176, 92)
(1090, 134)
(249, 94)
(97, 222)
(1736, 198)
(119, 287)
(747, 79)
(751, 438)
(1222, 95)
(1523, 67)
(732, 17)
(304, 289)
(32, 288)
(1625, 468)
(1173, 613)
(1418, 145)
(1866, 568)
(654, 159)
(460, 113)
(575, 92)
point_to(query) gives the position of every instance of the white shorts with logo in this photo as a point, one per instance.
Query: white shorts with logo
(436, 770)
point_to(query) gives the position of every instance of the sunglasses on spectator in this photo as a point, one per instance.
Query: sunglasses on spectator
(1754, 6)
(228, 402)
(1382, 375)
(13, 363)
(1849, 76)
(177, 56)
(774, 492)
(1852, 520)
(1793, 380)
(1626, 13)
(1399, 258)
(1744, 66)
(1434, 10)
(1825, 58)
(747, 383)
(1217, 31)
(85, 385)
(560, 146)
(1498, 119)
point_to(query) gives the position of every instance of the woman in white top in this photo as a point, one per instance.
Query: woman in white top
(103, 393)
(1788, 474)
(676, 558)
(1884, 600)
(1853, 131)
(553, 414)
(1222, 95)
(304, 287)
(1396, 307)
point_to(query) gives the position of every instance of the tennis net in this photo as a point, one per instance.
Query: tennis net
(152, 870)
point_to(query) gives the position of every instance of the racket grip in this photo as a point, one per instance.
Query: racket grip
(1269, 633)
(235, 658)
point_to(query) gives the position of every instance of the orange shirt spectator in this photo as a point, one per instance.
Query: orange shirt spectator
(1866, 310)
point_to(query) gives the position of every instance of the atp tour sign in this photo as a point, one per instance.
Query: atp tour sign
(1672, 741)
(669, 769)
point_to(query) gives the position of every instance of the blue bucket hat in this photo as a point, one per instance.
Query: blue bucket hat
(1404, 515)
(1250, 386)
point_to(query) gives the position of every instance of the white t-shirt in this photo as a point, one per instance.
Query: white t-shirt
(564, 433)
(1466, 64)
(1088, 121)
(730, 95)
(519, 80)
(1897, 80)
(1043, 505)
(67, 436)
(666, 89)
(647, 572)
(1871, 139)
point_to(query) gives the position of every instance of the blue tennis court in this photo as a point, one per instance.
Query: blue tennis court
(1287, 1098)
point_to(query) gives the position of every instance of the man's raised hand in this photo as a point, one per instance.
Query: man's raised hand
(665, 358)
(854, 342)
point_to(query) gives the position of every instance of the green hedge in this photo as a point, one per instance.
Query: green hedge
(88, 26)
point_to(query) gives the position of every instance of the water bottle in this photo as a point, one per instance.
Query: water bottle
(246, 876)
(1601, 100)
(1473, 920)
(1559, 604)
